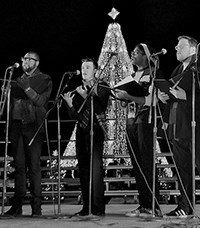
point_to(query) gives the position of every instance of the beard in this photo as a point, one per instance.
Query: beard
(28, 69)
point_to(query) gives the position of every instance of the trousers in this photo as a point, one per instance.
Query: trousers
(83, 155)
(26, 162)
(140, 139)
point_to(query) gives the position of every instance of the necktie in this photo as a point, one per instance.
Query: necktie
(85, 119)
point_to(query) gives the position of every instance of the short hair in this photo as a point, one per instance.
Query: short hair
(192, 41)
(91, 60)
(35, 54)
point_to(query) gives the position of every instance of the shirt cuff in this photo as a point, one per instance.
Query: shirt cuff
(147, 101)
(27, 89)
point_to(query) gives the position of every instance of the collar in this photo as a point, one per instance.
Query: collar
(35, 72)
(143, 69)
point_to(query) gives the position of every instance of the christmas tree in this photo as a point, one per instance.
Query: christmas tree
(115, 64)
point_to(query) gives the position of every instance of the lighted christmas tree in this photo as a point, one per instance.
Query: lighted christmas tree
(115, 65)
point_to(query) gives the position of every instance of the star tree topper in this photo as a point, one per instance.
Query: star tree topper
(113, 13)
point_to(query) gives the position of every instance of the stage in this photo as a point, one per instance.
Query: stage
(115, 218)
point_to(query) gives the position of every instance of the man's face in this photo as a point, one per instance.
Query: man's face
(29, 62)
(88, 71)
(184, 50)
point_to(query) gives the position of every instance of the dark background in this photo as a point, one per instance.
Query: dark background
(64, 31)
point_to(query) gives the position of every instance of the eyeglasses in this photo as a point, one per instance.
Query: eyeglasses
(180, 47)
(28, 59)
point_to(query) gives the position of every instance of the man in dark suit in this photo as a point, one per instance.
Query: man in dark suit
(178, 121)
(83, 136)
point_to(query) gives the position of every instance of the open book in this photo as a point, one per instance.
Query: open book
(130, 86)
(164, 85)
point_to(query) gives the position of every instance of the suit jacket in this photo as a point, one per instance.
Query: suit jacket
(100, 104)
(33, 108)
(178, 113)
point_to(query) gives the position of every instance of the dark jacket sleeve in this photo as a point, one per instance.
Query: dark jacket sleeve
(101, 99)
(41, 98)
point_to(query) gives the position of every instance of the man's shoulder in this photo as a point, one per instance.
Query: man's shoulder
(43, 76)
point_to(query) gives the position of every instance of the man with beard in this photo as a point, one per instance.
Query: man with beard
(29, 100)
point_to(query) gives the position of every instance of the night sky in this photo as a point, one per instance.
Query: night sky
(64, 31)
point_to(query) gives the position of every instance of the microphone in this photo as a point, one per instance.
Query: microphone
(16, 65)
(77, 72)
(162, 52)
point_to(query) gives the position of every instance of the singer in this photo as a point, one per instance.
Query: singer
(100, 94)
(29, 100)
(140, 131)
(178, 119)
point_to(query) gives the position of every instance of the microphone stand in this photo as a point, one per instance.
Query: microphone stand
(58, 105)
(90, 94)
(153, 98)
(193, 124)
(7, 97)
(54, 103)
(193, 140)
(4, 89)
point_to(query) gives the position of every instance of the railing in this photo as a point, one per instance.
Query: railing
(119, 180)
(118, 185)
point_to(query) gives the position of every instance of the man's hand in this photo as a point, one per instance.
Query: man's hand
(23, 82)
(121, 94)
(68, 97)
(178, 93)
(163, 96)
(82, 90)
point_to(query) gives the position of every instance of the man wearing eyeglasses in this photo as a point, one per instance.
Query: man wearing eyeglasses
(29, 99)
(179, 120)
(30, 62)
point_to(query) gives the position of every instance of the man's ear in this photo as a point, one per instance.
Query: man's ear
(193, 51)
(37, 63)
